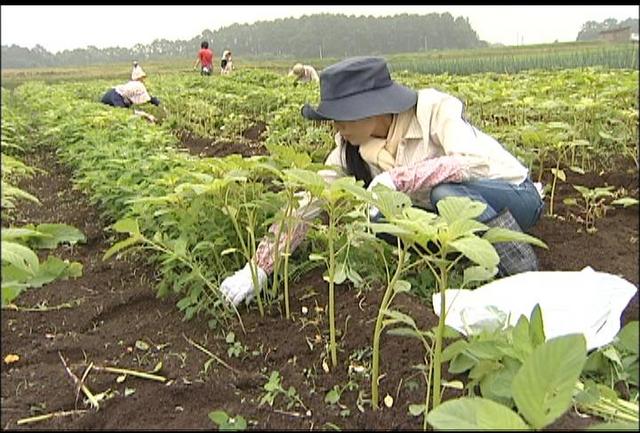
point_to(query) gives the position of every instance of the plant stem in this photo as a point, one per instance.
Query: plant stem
(49, 416)
(439, 334)
(332, 271)
(286, 274)
(131, 373)
(79, 384)
(384, 304)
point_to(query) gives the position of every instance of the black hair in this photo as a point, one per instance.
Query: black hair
(204, 44)
(355, 165)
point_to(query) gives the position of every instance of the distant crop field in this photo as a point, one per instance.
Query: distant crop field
(510, 59)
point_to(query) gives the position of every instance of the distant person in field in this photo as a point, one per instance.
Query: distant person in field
(417, 142)
(132, 93)
(205, 59)
(304, 73)
(226, 63)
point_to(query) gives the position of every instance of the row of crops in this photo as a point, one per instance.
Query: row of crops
(584, 118)
(200, 219)
(511, 60)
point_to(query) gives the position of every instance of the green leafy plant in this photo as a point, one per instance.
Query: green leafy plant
(236, 348)
(274, 388)
(592, 204)
(21, 268)
(226, 422)
(542, 390)
(338, 202)
(441, 241)
(616, 364)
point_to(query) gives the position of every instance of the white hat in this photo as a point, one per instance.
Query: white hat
(137, 72)
(298, 69)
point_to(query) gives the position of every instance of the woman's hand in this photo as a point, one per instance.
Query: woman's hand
(239, 286)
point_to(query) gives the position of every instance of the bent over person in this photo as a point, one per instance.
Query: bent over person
(131, 93)
(415, 142)
(304, 73)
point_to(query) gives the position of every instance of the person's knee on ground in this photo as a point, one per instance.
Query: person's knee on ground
(515, 257)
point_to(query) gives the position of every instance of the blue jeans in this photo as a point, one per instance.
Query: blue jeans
(523, 201)
(115, 99)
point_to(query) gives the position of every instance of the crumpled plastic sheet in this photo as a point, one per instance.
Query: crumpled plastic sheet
(586, 301)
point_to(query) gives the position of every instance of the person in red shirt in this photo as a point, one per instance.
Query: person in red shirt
(205, 59)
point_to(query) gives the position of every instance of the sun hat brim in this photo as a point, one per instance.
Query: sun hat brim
(391, 99)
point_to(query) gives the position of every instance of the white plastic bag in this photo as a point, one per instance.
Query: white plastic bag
(586, 302)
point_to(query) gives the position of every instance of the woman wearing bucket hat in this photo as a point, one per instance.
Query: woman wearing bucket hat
(131, 93)
(414, 142)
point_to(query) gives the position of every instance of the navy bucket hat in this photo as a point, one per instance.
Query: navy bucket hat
(359, 87)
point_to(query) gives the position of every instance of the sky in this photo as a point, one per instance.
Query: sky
(57, 28)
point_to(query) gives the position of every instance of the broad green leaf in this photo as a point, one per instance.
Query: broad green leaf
(403, 332)
(13, 273)
(393, 203)
(118, 246)
(536, 327)
(416, 409)
(627, 337)
(391, 229)
(625, 201)
(497, 384)
(180, 247)
(306, 178)
(11, 234)
(402, 286)
(59, 233)
(127, 225)
(499, 234)
(218, 416)
(483, 350)
(577, 169)
(461, 228)
(12, 191)
(543, 387)
(459, 208)
(50, 270)
(338, 277)
(332, 397)
(477, 273)
(469, 413)
(559, 174)
(19, 256)
(453, 349)
(401, 317)
(478, 250)
(234, 424)
(11, 290)
(521, 334)
(461, 363)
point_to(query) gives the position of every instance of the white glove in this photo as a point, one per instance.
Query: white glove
(383, 178)
(239, 286)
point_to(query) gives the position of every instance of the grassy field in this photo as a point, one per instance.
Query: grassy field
(508, 59)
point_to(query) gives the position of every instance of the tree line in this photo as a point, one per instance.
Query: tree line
(310, 36)
(591, 29)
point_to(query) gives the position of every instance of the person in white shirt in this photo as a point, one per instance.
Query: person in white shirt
(415, 142)
(226, 63)
(304, 73)
(131, 93)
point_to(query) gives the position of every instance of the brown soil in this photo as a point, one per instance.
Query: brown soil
(207, 147)
(116, 306)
